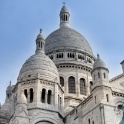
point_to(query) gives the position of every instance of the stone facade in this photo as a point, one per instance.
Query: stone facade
(64, 83)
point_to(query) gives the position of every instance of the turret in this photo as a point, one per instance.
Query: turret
(9, 93)
(64, 17)
(101, 88)
(40, 42)
(122, 63)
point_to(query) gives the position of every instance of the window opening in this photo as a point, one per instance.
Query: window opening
(31, 95)
(82, 86)
(71, 83)
(43, 95)
(98, 75)
(104, 75)
(26, 93)
(107, 97)
(62, 81)
(49, 97)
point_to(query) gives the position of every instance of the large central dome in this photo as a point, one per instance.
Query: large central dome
(67, 38)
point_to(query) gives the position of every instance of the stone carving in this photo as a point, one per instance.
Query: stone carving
(122, 121)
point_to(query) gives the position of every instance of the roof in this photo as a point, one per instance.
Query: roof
(67, 38)
(64, 9)
(99, 63)
(39, 65)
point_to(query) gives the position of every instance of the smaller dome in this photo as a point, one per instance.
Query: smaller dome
(99, 63)
(64, 9)
(39, 65)
(40, 35)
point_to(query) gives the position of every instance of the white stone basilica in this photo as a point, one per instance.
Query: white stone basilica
(64, 83)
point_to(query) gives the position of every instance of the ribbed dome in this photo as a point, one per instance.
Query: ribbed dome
(64, 9)
(40, 35)
(99, 63)
(67, 38)
(39, 65)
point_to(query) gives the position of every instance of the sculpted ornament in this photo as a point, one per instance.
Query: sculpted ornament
(122, 121)
(122, 84)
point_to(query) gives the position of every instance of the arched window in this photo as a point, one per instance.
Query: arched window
(104, 75)
(82, 86)
(94, 77)
(98, 75)
(49, 96)
(41, 45)
(91, 83)
(88, 121)
(62, 17)
(66, 18)
(43, 95)
(59, 56)
(31, 95)
(62, 55)
(119, 107)
(107, 97)
(73, 55)
(68, 55)
(71, 84)
(26, 93)
(62, 81)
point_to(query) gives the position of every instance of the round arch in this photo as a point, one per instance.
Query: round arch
(44, 119)
(44, 122)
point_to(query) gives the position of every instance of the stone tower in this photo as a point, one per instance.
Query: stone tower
(38, 90)
(101, 88)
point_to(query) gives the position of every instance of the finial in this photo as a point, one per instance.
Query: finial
(10, 83)
(40, 30)
(98, 56)
(64, 3)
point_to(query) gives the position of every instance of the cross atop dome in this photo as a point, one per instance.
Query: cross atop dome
(40, 30)
(64, 3)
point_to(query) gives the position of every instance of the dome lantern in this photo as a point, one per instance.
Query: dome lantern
(40, 42)
(64, 16)
(99, 63)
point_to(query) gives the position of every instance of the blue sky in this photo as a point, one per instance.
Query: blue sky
(101, 22)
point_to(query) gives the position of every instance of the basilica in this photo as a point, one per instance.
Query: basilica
(64, 83)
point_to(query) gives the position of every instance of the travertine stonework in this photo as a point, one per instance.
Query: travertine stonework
(64, 83)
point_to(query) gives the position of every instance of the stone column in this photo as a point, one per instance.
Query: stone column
(66, 87)
(28, 99)
(102, 114)
(77, 84)
(87, 86)
(46, 95)
(52, 99)
(56, 96)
